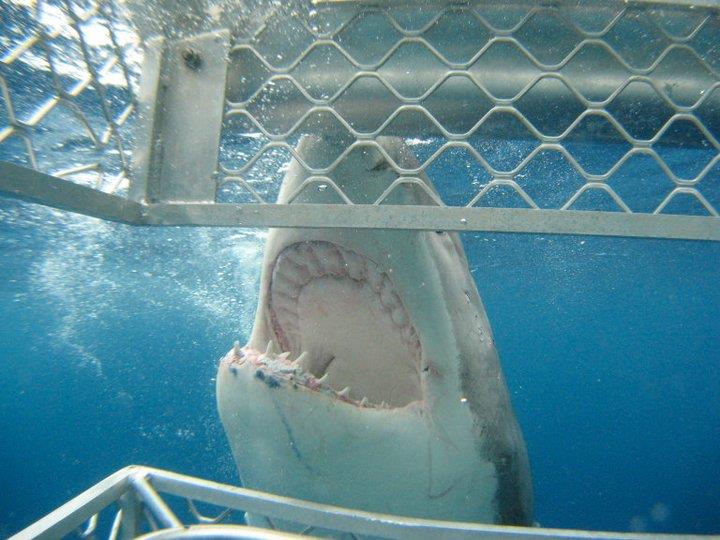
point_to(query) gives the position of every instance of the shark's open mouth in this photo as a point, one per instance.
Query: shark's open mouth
(370, 379)
(342, 327)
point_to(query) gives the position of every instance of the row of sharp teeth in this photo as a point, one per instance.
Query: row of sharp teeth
(297, 365)
(300, 263)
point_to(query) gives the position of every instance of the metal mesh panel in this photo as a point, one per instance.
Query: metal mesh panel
(66, 91)
(564, 117)
(593, 106)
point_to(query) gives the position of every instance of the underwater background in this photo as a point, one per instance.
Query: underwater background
(111, 335)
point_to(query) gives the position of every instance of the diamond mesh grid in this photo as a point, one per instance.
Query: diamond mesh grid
(593, 106)
(66, 90)
(601, 105)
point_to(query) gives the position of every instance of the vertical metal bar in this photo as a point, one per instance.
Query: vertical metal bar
(147, 154)
(181, 103)
(116, 524)
(154, 503)
(131, 512)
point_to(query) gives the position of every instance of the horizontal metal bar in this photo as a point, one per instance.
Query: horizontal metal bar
(73, 513)
(34, 186)
(44, 189)
(395, 3)
(436, 218)
(226, 532)
(355, 521)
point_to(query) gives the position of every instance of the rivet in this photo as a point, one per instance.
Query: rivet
(192, 59)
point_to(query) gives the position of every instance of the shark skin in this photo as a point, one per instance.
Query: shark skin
(371, 379)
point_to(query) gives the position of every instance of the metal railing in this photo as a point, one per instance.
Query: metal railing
(161, 504)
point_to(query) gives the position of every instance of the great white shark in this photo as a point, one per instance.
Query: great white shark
(371, 379)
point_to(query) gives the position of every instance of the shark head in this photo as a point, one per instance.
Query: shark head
(371, 378)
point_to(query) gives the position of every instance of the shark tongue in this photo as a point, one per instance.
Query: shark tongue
(341, 309)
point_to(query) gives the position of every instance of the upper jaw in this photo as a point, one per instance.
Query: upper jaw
(340, 311)
(298, 264)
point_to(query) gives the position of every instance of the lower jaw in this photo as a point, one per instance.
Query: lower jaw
(291, 439)
(275, 370)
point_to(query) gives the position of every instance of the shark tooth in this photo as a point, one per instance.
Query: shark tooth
(271, 348)
(236, 349)
(302, 360)
(323, 379)
(284, 355)
(364, 401)
(345, 392)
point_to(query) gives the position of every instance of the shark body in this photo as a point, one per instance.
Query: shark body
(371, 379)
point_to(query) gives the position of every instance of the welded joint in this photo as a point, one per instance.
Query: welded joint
(152, 500)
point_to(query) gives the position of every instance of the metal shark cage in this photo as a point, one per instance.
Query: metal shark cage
(188, 114)
(225, 90)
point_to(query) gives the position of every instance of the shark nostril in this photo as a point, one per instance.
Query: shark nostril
(381, 165)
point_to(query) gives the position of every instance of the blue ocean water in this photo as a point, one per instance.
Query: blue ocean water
(110, 339)
(111, 336)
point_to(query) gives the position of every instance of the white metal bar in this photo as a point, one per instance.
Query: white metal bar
(226, 532)
(73, 513)
(355, 521)
(149, 482)
(518, 220)
(153, 501)
(41, 188)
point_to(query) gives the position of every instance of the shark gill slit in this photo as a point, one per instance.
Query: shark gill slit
(311, 281)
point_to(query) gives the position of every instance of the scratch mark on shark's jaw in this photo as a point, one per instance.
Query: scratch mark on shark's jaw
(344, 328)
